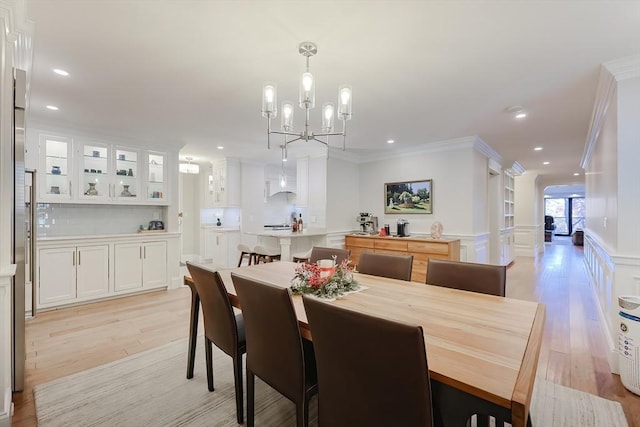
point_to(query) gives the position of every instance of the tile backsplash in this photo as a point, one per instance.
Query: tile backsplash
(58, 219)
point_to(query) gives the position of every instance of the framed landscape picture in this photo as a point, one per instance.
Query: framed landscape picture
(409, 197)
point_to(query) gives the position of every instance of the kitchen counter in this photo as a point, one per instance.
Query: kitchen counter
(289, 233)
(285, 236)
(220, 228)
(106, 236)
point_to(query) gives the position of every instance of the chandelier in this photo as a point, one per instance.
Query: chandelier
(307, 102)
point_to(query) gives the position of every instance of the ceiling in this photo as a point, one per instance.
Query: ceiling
(190, 73)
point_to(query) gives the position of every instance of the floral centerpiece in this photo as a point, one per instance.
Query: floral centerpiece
(314, 280)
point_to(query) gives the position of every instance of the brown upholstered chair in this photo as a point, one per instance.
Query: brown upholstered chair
(275, 350)
(467, 276)
(221, 327)
(388, 385)
(318, 252)
(264, 254)
(386, 265)
(246, 251)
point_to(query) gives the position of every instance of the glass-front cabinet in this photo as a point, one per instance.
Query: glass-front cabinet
(156, 176)
(95, 171)
(127, 173)
(56, 166)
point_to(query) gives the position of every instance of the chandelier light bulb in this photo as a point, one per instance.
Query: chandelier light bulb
(269, 100)
(268, 94)
(307, 81)
(344, 96)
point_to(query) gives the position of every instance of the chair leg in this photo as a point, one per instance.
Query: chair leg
(250, 397)
(302, 420)
(240, 260)
(237, 369)
(193, 333)
(209, 356)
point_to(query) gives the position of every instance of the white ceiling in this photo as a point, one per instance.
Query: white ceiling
(190, 73)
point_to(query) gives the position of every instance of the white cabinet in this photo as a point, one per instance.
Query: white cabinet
(157, 177)
(140, 265)
(55, 169)
(95, 172)
(224, 183)
(68, 274)
(221, 247)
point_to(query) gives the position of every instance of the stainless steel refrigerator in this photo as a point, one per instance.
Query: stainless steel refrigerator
(22, 238)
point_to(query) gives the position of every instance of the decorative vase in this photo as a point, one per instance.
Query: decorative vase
(92, 191)
(436, 230)
(125, 192)
(55, 170)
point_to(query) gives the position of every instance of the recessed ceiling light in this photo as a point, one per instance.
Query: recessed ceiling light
(517, 111)
(61, 72)
(390, 141)
(537, 149)
(52, 107)
(576, 174)
(545, 163)
(220, 147)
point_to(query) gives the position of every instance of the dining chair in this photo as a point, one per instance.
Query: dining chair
(276, 352)
(319, 252)
(222, 327)
(386, 265)
(467, 276)
(264, 254)
(246, 251)
(388, 385)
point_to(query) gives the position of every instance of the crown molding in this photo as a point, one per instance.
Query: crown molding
(610, 74)
(484, 148)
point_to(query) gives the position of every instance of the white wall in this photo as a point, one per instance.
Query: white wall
(253, 197)
(317, 210)
(601, 183)
(460, 179)
(527, 214)
(612, 232)
(343, 180)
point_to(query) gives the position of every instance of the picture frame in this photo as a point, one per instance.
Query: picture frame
(408, 197)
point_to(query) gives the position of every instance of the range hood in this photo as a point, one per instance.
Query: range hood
(273, 187)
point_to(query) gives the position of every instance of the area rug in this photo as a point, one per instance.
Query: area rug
(151, 389)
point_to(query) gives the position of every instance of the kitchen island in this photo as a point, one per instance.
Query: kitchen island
(289, 241)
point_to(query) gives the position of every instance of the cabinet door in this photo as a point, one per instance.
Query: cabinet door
(92, 271)
(156, 177)
(154, 264)
(94, 172)
(56, 166)
(127, 266)
(209, 244)
(57, 275)
(127, 174)
(219, 255)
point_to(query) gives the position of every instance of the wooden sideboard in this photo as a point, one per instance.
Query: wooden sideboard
(421, 249)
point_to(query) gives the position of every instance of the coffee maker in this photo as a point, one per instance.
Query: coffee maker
(368, 223)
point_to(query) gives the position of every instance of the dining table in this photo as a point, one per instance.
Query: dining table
(482, 350)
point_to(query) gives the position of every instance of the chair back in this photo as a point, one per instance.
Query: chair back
(386, 265)
(318, 252)
(468, 276)
(219, 320)
(549, 223)
(388, 386)
(274, 345)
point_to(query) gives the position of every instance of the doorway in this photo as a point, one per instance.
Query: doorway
(568, 213)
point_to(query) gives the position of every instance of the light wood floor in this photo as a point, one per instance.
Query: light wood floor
(573, 352)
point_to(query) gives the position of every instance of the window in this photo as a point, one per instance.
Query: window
(568, 213)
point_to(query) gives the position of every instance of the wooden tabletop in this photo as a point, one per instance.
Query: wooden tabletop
(484, 345)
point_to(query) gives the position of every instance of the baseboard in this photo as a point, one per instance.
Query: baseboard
(7, 410)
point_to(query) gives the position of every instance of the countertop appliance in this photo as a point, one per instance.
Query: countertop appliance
(368, 223)
(156, 225)
(21, 235)
(403, 228)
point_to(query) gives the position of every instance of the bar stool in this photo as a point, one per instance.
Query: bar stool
(246, 251)
(302, 257)
(264, 254)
